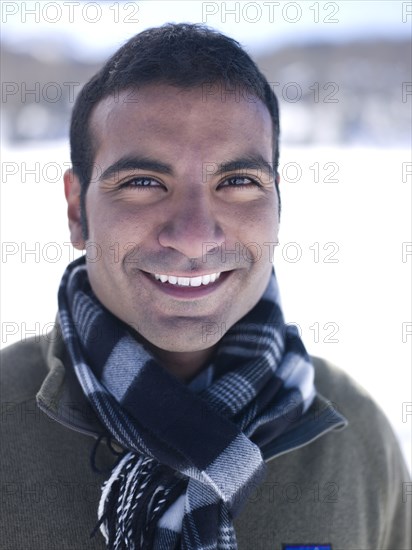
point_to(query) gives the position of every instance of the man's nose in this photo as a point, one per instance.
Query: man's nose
(192, 227)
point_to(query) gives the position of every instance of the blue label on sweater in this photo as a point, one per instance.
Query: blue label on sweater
(307, 547)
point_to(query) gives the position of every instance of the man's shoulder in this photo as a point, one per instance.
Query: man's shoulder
(345, 487)
(23, 368)
(347, 395)
(369, 430)
(333, 381)
(340, 388)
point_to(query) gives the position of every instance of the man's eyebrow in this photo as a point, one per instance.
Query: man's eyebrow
(136, 163)
(251, 162)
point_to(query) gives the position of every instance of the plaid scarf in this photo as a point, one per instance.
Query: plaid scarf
(191, 458)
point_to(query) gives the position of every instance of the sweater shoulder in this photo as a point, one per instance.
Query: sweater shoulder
(369, 430)
(344, 393)
(23, 368)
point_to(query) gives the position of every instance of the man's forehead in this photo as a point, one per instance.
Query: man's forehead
(180, 118)
(166, 98)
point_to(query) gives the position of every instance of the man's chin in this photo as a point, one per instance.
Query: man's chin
(189, 341)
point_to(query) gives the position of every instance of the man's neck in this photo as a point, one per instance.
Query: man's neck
(184, 365)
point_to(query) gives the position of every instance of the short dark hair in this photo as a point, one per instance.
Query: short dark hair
(183, 55)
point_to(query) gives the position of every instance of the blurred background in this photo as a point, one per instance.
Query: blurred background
(342, 73)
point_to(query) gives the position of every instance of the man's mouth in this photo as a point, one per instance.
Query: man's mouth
(187, 281)
(187, 288)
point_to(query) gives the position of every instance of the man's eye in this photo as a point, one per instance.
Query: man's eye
(239, 181)
(140, 182)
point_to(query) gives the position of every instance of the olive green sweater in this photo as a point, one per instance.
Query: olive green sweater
(344, 489)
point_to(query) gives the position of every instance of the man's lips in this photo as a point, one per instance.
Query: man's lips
(183, 286)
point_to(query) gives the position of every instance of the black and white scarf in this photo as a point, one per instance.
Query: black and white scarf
(192, 458)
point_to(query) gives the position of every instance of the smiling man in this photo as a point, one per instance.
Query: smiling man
(170, 365)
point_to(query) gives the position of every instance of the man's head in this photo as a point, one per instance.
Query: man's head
(181, 185)
(182, 55)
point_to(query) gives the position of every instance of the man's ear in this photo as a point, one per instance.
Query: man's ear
(72, 191)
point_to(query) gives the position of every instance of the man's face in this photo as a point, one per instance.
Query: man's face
(182, 189)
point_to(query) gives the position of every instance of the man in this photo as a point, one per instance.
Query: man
(170, 365)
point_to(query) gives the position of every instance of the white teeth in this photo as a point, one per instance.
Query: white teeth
(206, 279)
(187, 281)
(196, 281)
